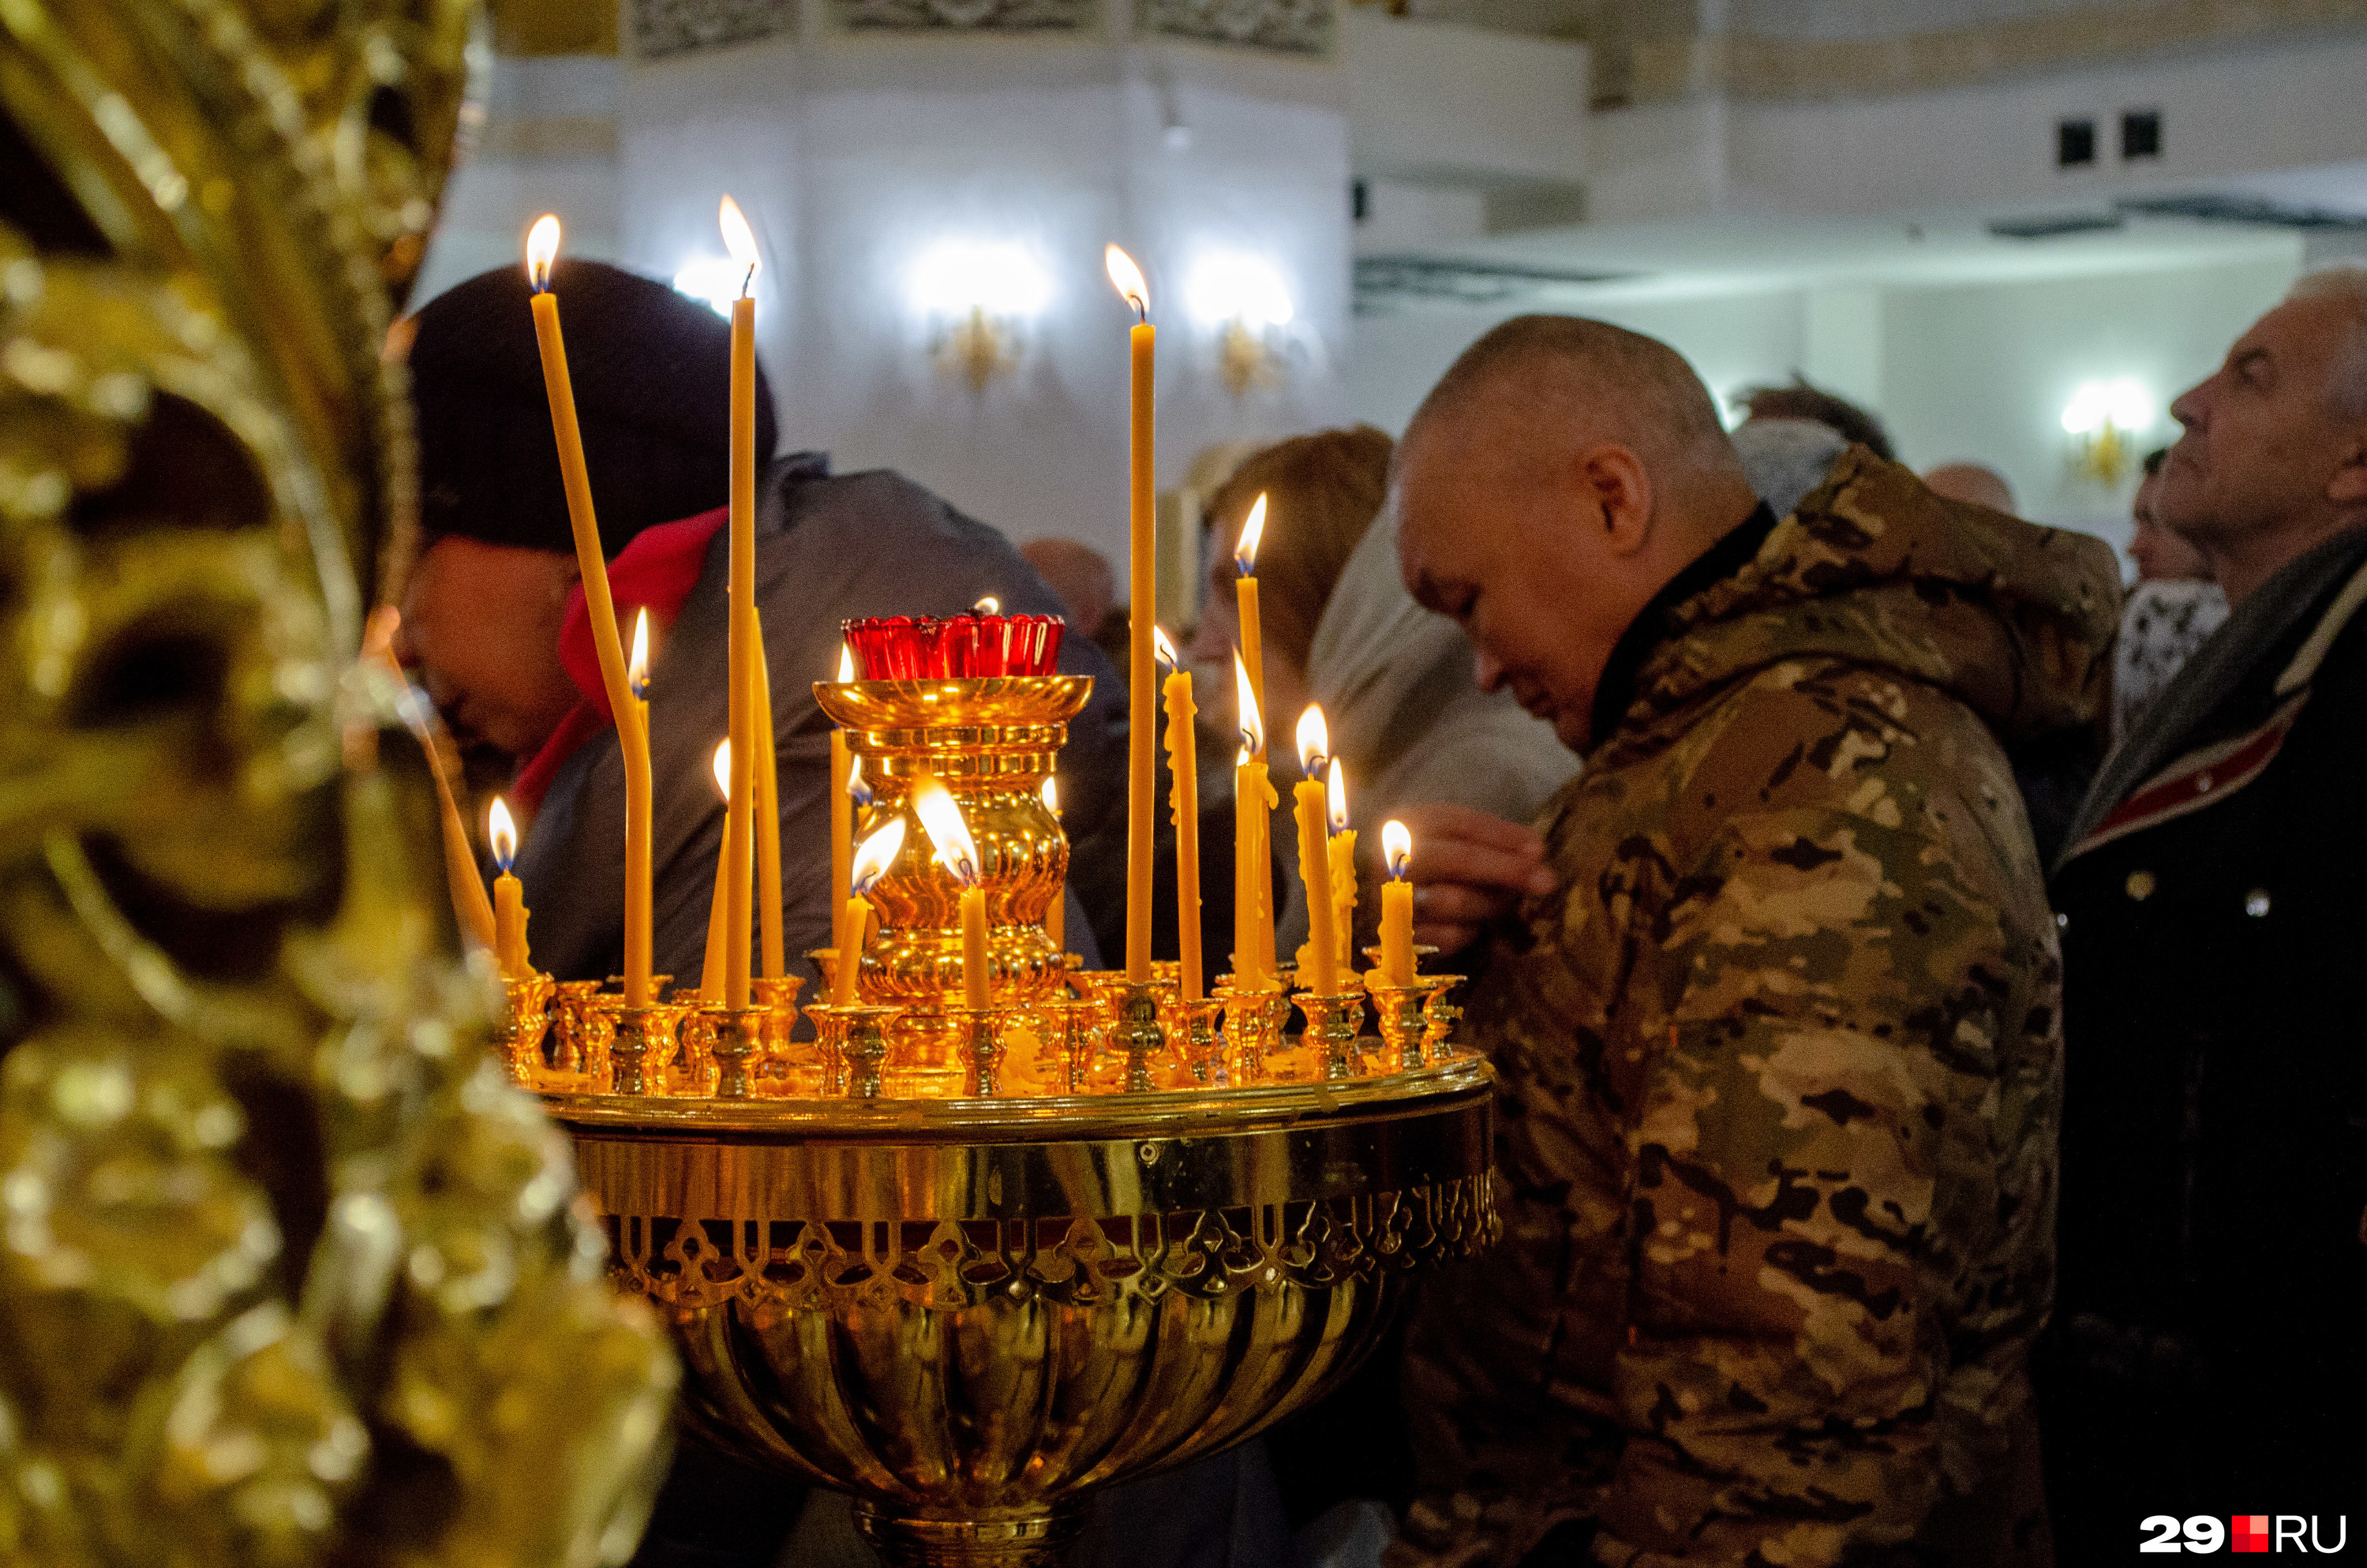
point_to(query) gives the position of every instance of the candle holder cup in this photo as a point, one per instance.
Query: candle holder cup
(825, 962)
(1334, 1020)
(735, 1041)
(1402, 1026)
(632, 1043)
(525, 1020)
(1192, 1027)
(1138, 1034)
(777, 1052)
(981, 1030)
(1439, 1017)
(854, 1037)
(572, 1025)
(1252, 1031)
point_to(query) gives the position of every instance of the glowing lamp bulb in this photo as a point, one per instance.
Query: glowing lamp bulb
(874, 855)
(1252, 532)
(541, 250)
(1164, 649)
(846, 664)
(1397, 847)
(740, 239)
(502, 831)
(1127, 277)
(1245, 697)
(1314, 741)
(723, 768)
(941, 815)
(636, 669)
(1335, 796)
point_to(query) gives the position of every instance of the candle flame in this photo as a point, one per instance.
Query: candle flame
(541, 250)
(503, 832)
(856, 785)
(1397, 847)
(636, 669)
(874, 856)
(723, 768)
(1162, 649)
(988, 604)
(846, 664)
(1335, 796)
(1129, 279)
(1052, 795)
(941, 815)
(1314, 741)
(1252, 531)
(740, 239)
(1252, 723)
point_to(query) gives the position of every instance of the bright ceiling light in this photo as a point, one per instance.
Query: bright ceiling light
(712, 280)
(1239, 287)
(961, 275)
(2124, 404)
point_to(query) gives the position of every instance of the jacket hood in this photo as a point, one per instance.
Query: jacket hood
(2014, 620)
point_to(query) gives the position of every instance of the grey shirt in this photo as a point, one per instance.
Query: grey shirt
(828, 549)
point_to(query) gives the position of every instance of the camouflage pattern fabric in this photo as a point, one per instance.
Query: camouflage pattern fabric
(1780, 1073)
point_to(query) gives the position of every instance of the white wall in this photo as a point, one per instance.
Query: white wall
(1967, 372)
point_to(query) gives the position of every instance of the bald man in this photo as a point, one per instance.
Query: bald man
(1974, 482)
(1778, 1056)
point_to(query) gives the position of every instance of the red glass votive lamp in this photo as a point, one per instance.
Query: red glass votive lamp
(925, 647)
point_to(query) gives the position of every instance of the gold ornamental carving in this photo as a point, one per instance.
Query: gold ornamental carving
(289, 1273)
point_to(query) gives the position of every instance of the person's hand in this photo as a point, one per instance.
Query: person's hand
(1469, 869)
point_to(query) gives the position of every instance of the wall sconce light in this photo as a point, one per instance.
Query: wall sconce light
(978, 300)
(714, 281)
(1244, 299)
(2104, 419)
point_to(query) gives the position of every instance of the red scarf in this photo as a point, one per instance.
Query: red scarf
(655, 572)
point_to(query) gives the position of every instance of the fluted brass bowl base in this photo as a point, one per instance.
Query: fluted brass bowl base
(970, 1313)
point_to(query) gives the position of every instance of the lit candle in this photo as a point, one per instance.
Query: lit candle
(1185, 798)
(1343, 866)
(738, 844)
(1397, 905)
(871, 863)
(1253, 804)
(1321, 954)
(769, 818)
(541, 250)
(841, 797)
(633, 747)
(719, 932)
(1142, 772)
(509, 897)
(1056, 918)
(1245, 596)
(941, 815)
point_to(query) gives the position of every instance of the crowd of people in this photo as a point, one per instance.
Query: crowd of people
(1928, 1131)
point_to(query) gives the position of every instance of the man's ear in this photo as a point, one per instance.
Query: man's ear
(2348, 488)
(1617, 492)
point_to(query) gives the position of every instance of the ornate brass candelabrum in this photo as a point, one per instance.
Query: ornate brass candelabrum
(968, 1263)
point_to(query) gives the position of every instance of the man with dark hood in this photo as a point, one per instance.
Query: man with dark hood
(1778, 1059)
(2207, 1337)
(496, 621)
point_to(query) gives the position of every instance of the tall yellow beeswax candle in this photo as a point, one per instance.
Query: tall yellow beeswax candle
(1142, 577)
(1183, 762)
(632, 730)
(738, 840)
(1245, 597)
(1313, 803)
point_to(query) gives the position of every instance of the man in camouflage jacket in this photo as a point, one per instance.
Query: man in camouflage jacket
(1780, 1059)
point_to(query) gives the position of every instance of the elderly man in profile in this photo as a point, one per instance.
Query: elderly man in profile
(2208, 1338)
(1778, 1056)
